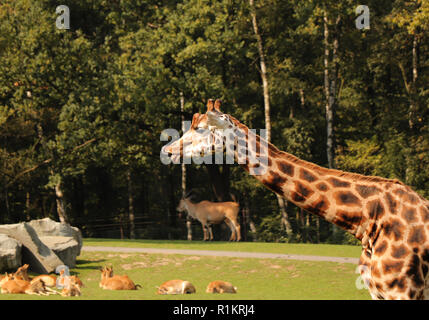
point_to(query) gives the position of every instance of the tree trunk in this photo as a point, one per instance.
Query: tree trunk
(219, 181)
(6, 200)
(412, 92)
(249, 219)
(188, 218)
(27, 206)
(330, 88)
(61, 209)
(281, 201)
(131, 213)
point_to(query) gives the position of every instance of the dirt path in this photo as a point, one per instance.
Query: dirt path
(234, 254)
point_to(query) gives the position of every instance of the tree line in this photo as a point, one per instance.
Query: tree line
(82, 109)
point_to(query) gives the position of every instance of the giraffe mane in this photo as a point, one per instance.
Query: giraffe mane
(319, 169)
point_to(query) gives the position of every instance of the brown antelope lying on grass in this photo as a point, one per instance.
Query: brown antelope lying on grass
(221, 287)
(64, 279)
(176, 287)
(207, 213)
(22, 274)
(71, 287)
(111, 282)
(10, 284)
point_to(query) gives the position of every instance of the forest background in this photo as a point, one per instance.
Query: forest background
(82, 109)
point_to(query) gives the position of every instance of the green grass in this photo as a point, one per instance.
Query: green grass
(332, 250)
(256, 279)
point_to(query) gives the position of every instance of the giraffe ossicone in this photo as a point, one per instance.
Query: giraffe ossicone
(388, 217)
(217, 135)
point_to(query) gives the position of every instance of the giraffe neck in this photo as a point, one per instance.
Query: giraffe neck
(318, 190)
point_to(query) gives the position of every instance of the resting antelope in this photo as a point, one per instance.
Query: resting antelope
(12, 285)
(22, 274)
(176, 287)
(111, 282)
(221, 287)
(71, 287)
(64, 279)
(207, 213)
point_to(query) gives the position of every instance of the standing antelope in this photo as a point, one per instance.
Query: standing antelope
(207, 213)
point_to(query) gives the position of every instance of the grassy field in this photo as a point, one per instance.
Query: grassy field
(332, 250)
(256, 279)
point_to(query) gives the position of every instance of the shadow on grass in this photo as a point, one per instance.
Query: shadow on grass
(88, 265)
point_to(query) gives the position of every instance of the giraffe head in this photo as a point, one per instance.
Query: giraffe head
(200, 140)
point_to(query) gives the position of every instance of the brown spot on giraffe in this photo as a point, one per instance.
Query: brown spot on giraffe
(301, 192)
(322, 186)
(414, 271)
(348, 220)
(417, 236)
(347, 198)
(399, 252)
(424, 213)
(303, 189)
(375, 209)
(411, 198)
(391, 203)
(307, 175)
(394, 229)
(338, 183)
(407, 195)
(400, 192)
(319, 206)
(381, 248)
(390, 266)
(398, 283)
(366, 191)
(409, 214)
(286, 168)
(275, 182)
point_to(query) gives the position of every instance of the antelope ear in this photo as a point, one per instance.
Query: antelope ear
(194, 120)
(209, 105)
(217, 104)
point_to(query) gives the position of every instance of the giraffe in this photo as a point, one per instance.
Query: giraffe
(387, 216)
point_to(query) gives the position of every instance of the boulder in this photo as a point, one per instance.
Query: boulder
(49, 228)
(66, 248)
(34, 252)
(10, 254)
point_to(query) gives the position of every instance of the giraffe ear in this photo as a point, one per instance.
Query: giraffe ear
(217, 104)
(209, 105)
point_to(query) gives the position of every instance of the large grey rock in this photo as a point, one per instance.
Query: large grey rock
(34, 252)
(10, 253)
(66, 248)
(49, 228)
